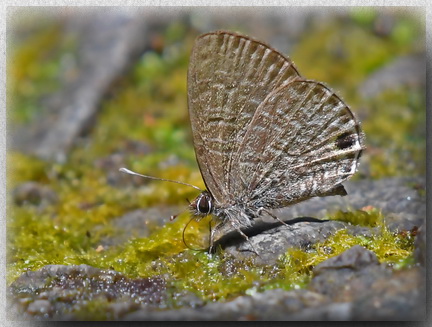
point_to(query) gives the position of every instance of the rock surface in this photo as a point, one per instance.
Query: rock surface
(63, 292)
(139, 223)
(109, 42)
(403, 72)
(351, 286)
(398, 199)
(35, 194)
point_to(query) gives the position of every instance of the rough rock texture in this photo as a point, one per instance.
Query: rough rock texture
(398, 198)
(403, 72)
(34, 193)
(351, 286)
(420, 246)
(139, 223)
(109, 42)
(62, 293)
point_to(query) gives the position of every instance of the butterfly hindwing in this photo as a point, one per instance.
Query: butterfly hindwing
(303, 141)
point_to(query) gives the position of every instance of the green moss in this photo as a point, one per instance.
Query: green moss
(364, 15)
(35, 69)
(392, 248)
(408, 29)
(340, 53)
(65, 231)
(220, 277)
(397, 145)
(22, 168)
(70, 231)
(370, 217)
(95, 310)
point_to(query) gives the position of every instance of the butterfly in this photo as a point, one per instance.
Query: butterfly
(264, 136)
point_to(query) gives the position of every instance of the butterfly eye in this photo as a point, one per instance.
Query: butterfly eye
(204, 204)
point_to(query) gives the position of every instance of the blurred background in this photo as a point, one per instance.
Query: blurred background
(91, 90)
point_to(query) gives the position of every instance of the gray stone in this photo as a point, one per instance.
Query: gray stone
(57, 292)
(403, 72)
(403, 207)
(139, 223)
(40, 307)
(355, 258)
(34, 194)
(420, 246)
(109, 41)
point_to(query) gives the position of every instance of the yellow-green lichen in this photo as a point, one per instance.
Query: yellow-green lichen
(391, 248)
(370, 217)
(397, 142)
(36, 67)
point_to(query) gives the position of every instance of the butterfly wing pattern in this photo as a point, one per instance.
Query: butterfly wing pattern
(229, 77)
(264, 136)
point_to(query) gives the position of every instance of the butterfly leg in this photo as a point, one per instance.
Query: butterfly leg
(211, 240)
(276, 217)
(212, 234)
(217, 227)
(246, 238)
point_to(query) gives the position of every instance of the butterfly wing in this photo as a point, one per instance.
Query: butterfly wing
(229, 77)
(303, 141)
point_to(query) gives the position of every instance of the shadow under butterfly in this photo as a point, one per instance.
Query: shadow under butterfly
(264, 136)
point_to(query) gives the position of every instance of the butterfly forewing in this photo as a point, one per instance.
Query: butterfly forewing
(303, 141)
(229, 77)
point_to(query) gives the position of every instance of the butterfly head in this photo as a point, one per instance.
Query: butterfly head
(202, 205)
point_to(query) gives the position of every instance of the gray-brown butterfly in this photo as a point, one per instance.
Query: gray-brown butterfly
(264, 136)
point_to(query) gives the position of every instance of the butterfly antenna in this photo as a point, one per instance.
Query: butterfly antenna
(130, 172)
(184, 238)
(173, 217)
